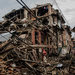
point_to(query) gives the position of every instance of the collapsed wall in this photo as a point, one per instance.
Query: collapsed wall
(33, 39)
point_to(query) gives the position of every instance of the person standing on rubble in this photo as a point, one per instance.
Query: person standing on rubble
(44, 55)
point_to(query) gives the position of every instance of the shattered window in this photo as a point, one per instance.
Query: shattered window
(42, 11)
(36, 38)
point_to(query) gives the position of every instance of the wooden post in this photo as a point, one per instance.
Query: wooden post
(45, 42)
(33, 36)
(39, 37)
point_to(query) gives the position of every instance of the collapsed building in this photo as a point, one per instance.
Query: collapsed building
(48, 34)
(37, 34)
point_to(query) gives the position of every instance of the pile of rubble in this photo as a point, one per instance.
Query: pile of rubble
(37, 38)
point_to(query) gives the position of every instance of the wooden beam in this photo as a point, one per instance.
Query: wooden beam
(41, 46)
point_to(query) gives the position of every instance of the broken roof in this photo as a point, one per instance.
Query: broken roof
(13, 11)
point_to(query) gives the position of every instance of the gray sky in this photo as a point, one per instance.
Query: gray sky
(67, 7)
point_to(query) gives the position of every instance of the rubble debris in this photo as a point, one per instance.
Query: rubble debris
(38, 38)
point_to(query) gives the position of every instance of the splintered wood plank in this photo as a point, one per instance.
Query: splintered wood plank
(40, 46)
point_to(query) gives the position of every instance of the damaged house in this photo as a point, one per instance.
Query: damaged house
(45, 36)
(36, 35)
(49, 32)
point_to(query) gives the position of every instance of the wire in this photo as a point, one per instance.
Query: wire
(54, 1)
(21, 2)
